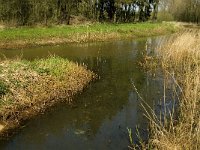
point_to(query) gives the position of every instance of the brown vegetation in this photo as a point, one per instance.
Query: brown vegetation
(28, 88)
(75, 38)
(180, 60)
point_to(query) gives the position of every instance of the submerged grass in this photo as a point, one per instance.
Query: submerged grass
(27, 88)
(180, 60)
(27, 36)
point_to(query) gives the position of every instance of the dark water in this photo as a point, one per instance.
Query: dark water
(99, 117)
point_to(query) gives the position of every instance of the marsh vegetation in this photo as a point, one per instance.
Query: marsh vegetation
(179, 60)
(28, 88)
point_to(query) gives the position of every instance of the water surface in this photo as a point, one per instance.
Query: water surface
(99, 117)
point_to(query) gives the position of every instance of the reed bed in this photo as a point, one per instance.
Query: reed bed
(180, 60)
(28, 88)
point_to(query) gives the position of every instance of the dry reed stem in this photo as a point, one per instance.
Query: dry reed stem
(181, 56)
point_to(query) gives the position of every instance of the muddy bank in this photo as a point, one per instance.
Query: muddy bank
(29, 88)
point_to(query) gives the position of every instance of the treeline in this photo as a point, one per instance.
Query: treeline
(182, 10)
(186, 10)
(30, 12)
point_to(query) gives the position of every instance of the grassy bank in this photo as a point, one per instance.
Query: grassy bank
(27, 36)
(28, 88)
(180, 61)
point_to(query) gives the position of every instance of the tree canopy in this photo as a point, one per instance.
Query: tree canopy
(28, 12)
(182, 10)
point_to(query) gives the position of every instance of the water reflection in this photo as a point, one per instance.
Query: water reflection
(99, 117)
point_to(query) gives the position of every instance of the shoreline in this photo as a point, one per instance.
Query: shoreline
(35, 90)
(105, 32)
(39, 36)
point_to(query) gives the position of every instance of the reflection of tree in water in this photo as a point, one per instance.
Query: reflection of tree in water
(119, 71)
(139, 76)
(105, 99)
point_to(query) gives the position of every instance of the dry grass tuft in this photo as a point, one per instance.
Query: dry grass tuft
(180, 59)
(27, 88)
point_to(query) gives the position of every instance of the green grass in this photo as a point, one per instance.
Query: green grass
(30, 35)
(53, 66)
(64, 31)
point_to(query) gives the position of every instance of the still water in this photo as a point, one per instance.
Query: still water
(100, 116)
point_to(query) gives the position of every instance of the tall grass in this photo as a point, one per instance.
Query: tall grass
(180, 60)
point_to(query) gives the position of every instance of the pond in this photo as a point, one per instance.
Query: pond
(99, 117)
